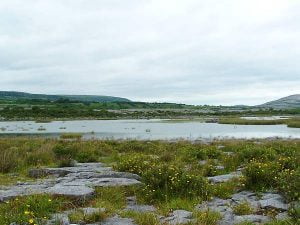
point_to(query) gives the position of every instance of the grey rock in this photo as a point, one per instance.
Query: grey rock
(78, 181)
(202, 162)
(225, 177)
(140, 208)
(60, 218)
(91, 211)
(221, 206)
(282, 216)
(229, 153)
(218, 205)
(275, 201)
(133, 206)
(258, 219)
(224, 207)
(118, 221)
(79, 192)
(178, 217)
(246, 196)
(220, 167)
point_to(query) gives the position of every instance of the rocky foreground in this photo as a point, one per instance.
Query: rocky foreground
(79, 182)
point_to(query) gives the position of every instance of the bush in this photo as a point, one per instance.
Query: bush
(261, 175)
(262, 153)
(163, 180)
(288, 182)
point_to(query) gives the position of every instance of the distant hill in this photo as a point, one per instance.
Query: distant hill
(289, 102)
(14, 95)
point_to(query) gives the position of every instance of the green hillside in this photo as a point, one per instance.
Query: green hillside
(13, 95)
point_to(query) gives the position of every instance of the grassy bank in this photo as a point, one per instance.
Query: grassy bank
(294, 124)
(171, 174)
(291, 122)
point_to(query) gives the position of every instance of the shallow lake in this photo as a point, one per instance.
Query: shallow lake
(147, 129)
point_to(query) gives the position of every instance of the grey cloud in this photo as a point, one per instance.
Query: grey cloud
(199, 52)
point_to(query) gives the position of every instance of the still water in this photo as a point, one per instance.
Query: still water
(147, 129)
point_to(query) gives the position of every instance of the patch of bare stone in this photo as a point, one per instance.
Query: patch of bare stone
(75, 182)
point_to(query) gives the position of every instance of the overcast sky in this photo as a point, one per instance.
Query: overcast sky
(188, 51)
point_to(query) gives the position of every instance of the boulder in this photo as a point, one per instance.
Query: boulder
(78, 192)
(118, 221)
(246, 196)
(258, 219)
(274, 201)
(133, 206)
(59, 218)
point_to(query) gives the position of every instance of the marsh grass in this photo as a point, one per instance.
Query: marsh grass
(240, 121)
(71, 136)
(293, 122)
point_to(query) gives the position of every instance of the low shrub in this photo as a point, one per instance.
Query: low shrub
(261, 175)
(288, 183)
(162, 180)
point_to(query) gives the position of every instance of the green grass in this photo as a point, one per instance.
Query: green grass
(30, 210)
(113, 199)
